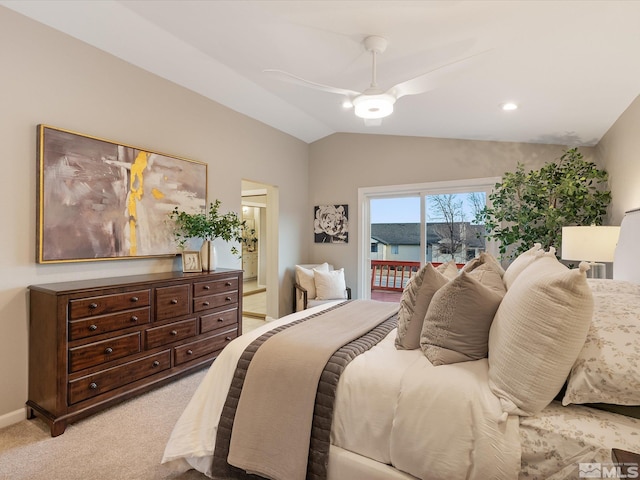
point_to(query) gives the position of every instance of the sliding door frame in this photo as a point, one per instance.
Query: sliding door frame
(365, 194)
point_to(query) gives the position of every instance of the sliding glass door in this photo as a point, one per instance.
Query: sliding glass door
(452, 232)
(405, 227)
(396, 242)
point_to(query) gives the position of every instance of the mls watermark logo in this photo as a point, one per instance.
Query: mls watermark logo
(608, 470)
(589, 470)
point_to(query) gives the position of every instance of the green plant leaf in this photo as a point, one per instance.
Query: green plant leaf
(530, 207)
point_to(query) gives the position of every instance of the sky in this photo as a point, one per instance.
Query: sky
(404, 210)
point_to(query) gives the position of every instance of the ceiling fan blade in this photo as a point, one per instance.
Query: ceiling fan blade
(288, 77)
(436, 77)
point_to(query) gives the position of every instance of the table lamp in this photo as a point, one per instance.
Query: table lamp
(593, 244)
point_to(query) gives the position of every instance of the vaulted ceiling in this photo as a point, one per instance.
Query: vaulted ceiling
(572, 66)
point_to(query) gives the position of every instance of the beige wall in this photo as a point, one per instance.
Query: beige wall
(50, 78)
(619, 150)
(341, 163)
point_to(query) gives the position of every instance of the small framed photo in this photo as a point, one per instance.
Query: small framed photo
(191, 262)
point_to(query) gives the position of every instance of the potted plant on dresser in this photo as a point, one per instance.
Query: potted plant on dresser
(207, 225)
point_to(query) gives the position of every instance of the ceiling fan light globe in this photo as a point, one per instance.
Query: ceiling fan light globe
(374, 106)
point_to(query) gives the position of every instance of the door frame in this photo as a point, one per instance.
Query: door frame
(271, 238)
(431, 188)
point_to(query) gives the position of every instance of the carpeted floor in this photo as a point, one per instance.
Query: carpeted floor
(125, 442)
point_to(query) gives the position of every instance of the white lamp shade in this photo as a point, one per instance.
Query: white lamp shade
(590, 244)
(373, 106)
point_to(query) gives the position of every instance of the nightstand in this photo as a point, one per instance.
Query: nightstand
(627, 461)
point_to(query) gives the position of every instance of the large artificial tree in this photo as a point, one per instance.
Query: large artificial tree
(530, 207)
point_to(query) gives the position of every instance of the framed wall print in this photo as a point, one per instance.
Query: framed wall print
(331, 224)
(191, 262)
(100, 200)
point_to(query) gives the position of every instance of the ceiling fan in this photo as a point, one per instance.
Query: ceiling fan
(374, 103)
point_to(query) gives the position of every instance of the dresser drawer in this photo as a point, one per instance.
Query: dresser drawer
(220, 319)
(190, 351)
(172, 332)
(215, 286)
(104, 351)
(214, 301)
(101, 382)
(172, 301)
(91, 306)
(90, 327)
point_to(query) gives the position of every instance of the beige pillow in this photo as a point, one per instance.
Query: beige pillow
(456, 327)
(521, 262)
(413, 306)
(449, 269)
(305, 278)
(490, 277)
(537, 333)
(484, 259)
(330, 285)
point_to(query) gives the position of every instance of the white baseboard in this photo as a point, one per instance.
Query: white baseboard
(13, 417)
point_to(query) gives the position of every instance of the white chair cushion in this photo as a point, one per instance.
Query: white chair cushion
(330, 285)
(305, 277)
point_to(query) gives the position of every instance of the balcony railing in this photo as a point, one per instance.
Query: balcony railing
(394, 275)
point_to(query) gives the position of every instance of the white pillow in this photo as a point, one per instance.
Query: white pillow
(537, 333)
(521, 262)
(330, 285)
(305, 278)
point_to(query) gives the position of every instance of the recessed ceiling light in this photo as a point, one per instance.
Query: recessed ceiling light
(508, 106)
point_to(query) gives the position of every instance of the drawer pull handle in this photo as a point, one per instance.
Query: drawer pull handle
(228, 299)
(228, 339)
(174, 332)
(108, 350)
(174, 301)
(206, 304)
(207, 287)
(134, 318)
(155, 364)
(221, 319)
(189, 352)
(93, 328)
(227, 284)
(93, 385)
(93, 306)
(134, 299)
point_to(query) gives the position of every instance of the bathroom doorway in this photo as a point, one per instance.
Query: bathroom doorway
(257, 252)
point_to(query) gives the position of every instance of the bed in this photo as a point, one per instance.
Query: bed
(560, 387)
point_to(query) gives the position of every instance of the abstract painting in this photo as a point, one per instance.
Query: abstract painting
(99, 200)
(331, 224)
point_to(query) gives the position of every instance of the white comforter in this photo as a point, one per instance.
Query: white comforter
(392, 406)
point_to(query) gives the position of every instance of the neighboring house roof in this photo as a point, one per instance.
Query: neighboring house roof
(396, 233)
(409, 233)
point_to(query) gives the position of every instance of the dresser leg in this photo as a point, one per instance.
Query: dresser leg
(58, 428)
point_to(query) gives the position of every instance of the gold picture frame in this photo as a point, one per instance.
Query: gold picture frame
(191, 262)
(102, 200)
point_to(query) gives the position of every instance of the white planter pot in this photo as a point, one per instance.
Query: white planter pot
(208, 256)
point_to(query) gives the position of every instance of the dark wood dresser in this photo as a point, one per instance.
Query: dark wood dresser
(93, 343)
